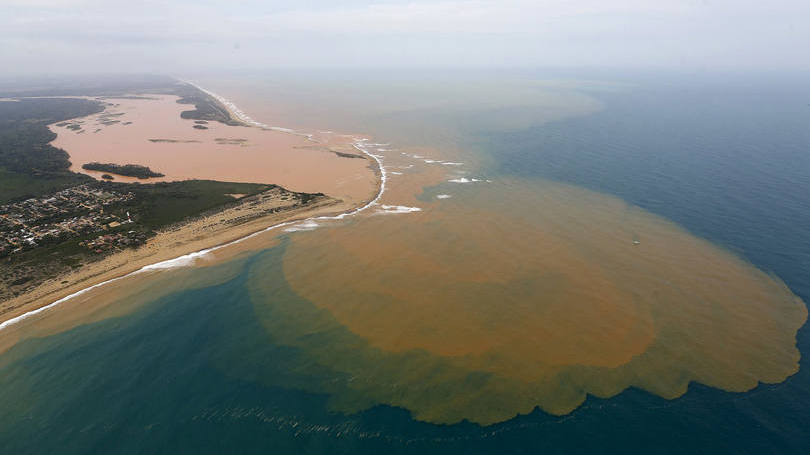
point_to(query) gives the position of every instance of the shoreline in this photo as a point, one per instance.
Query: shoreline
(89, 278)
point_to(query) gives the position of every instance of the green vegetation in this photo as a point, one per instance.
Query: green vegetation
(29, 165)
(348, 155)
(25, 138)
(127, 170)
(161, 204)
(15, 186)
(205, 107)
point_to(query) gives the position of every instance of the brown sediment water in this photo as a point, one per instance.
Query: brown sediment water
(545, 292)
(150, 132)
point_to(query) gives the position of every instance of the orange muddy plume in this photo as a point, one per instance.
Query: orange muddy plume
(549, 291)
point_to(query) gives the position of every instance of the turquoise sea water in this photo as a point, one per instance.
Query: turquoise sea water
(207, 369)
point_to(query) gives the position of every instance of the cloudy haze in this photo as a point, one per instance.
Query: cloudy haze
(192, 35)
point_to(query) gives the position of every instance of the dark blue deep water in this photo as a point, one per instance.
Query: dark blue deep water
(731, 165)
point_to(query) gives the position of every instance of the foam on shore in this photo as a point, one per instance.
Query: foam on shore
(307, 225)
(181, 261)
(398, 209)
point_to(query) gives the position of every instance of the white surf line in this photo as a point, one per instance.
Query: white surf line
(388, 209)
(188, 259)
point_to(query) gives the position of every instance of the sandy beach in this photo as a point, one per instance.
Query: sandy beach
(253, 215)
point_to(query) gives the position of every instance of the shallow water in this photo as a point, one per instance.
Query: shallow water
(522, 289)
(151, 132)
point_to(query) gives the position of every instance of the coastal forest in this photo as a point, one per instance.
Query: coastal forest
(29, 165)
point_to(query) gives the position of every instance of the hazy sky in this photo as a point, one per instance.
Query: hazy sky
(191, 35)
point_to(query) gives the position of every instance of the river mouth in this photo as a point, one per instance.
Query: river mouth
(487, 302)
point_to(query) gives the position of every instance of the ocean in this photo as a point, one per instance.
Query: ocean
(563, 263)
